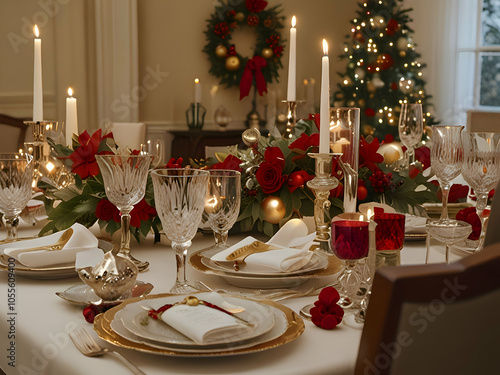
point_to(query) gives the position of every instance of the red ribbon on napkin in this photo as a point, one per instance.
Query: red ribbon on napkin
(253, 69)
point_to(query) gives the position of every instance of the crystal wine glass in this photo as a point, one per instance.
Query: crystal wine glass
(180, 199)
(125, 179)
(222, 204)
(449, 232)
(16, 177)
(447, 155)
(350, 244)
(410, 129)
(481, 170)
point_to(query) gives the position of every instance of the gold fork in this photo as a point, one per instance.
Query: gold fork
(86, 344)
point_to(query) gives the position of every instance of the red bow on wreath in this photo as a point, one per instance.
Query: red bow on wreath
(253, 68)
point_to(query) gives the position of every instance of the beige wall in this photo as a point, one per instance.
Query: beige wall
(171, 36)
(171, 39)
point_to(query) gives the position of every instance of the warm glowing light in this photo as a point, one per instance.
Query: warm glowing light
(50, 166)
(36, 31)
(325, 47)
(196, 80)
(369, 213)
(293, 21)
(70, 91)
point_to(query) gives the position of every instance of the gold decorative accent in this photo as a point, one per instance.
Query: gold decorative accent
(102, 325)
(253, 248)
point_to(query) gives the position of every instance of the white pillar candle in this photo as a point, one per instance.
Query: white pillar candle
(71, 118)
(292, 65)
(197, 91)
(129, 134)
(324, 112)
(37, 79)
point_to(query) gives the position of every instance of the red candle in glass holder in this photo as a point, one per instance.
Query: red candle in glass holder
(350, 239)
(390, 231)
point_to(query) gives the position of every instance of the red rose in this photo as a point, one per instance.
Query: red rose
(91, 310)
(469, 215)
(142, 211)
(230, 162)
(298, 179)
(326, 313)
(84, 161)
(270, 177)
(369, 112)
(105, 210)
(423, 155)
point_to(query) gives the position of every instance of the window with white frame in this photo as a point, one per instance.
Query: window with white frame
(478, 59)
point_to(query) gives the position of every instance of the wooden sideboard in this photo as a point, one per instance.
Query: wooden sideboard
(191, 143)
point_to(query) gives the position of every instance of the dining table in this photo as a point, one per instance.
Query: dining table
(36, 322)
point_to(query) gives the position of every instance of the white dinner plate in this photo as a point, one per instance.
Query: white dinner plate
(58, 271)
(318, 261)
(135, 319)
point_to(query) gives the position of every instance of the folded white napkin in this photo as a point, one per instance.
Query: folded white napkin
(292, 253)
(81, 239)
(204, 324)
(415, 224)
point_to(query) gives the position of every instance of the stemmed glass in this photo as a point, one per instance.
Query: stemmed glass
(180, 199)
(350, 244)
(447, 154)
(156, 148)
(410, 129)
(125, 179)
(222, 204)
(449, 232)
(481, 170)
(16, 177)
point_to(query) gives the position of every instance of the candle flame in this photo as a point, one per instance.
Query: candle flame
(35, 31)
(70, 91)
(325, 47)
(196, 80)
(294, 21)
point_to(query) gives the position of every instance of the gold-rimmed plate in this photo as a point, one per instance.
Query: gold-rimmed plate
(294, 327)
(415, 236)
(60, 271)
(264, 282)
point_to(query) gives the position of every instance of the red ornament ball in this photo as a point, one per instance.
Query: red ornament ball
(392, 27)
(394, 86)
(370, 112)
(362, 193)
(385, 61)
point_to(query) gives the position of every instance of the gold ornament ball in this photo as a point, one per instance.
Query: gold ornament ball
(251, 137)
(232, 63)
(220, 51)
(361, 102)
(367, 129)
(267, 53)
(239, 16)
(402, 53)
(273, 209)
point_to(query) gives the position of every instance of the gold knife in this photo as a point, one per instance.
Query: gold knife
(253, 248)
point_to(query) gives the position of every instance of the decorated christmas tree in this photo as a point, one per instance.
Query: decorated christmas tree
(383, 69)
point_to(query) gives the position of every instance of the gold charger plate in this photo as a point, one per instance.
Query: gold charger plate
(54, 272)
(102, 325)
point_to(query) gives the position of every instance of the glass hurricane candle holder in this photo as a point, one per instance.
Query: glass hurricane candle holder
(195, 116)
(344, 141)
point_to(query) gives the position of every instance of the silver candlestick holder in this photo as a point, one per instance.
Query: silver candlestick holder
(321, 186)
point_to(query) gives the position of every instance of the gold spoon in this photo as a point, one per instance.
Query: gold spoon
(56, 246)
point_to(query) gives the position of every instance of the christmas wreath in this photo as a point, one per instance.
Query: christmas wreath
(228, 64)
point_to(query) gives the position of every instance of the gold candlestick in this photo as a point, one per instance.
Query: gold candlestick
(321, 186)
(291, 117)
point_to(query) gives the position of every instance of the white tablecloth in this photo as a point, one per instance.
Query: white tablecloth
(42, 345)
